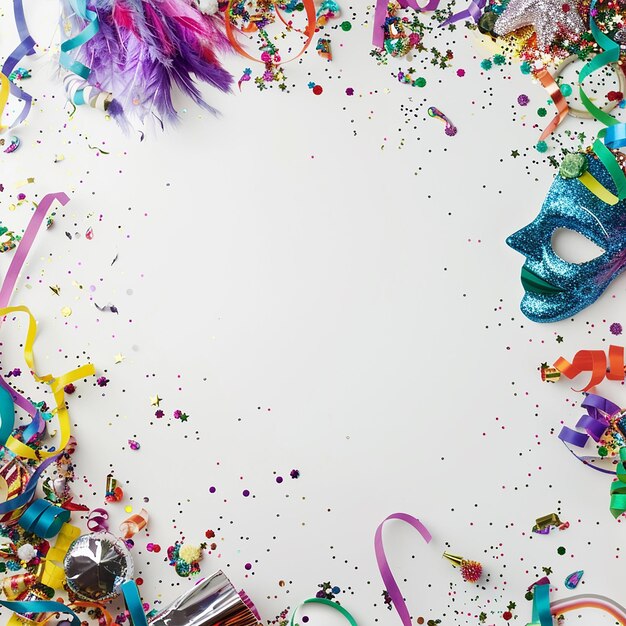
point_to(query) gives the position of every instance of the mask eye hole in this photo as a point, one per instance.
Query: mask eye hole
(572, 247)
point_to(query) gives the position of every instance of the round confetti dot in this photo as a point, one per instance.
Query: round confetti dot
(525, 68)
(541, 146)
(139, 581)
(460, 72)
(566, 89)
(212, 489)
(420, 620)
(248, 566)
(346, 26)
(523, 100)
(279, 479)
(541, 112)
(486, 64)
(128, 509)
(156, 548)
(420, 82)
(349, 91)
(305, 619)
(317, 90)
(602, 451)
(507, 615)
(561, 550)
(246, 493)
(499, 59)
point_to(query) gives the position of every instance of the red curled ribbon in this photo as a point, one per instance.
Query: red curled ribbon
(385, 571)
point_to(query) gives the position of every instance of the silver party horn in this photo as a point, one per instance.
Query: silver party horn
(211, 602)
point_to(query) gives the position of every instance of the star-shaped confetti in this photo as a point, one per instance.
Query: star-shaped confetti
(119, 357)
(155, 400)
(515, 153)
(547, 17)
(559, 339)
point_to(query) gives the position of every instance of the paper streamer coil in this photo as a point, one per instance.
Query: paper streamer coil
(214, 601)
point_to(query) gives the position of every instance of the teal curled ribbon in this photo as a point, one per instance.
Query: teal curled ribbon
(92, 28)
(614, 136)
(618, 487)
(324, 601)
(541, 603)
(44, 519)
(41, 606)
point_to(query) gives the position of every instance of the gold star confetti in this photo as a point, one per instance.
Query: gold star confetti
(155, 400)
(119, 357)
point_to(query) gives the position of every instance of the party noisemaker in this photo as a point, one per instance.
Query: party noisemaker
(214, 601)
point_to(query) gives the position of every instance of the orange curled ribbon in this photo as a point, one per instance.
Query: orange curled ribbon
(309, 31)
(549, 84)
(595, 362)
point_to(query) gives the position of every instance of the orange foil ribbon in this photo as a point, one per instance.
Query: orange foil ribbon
(595, 362)
(549, 84)
(136, 522)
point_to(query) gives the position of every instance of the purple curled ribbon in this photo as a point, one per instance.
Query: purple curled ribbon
(594, 423)
(385, 571)
(473, 11)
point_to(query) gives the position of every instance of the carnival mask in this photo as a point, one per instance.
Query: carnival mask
(554, 288)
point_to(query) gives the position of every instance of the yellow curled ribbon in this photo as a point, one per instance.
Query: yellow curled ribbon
(57, 386)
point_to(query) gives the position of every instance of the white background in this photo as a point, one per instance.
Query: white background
(320, 286)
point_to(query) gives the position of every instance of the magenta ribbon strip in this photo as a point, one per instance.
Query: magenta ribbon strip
(380, 15)
(24, 48)
(473, 11)
(385, 571)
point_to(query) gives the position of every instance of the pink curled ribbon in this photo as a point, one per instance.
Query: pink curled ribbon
(385, 571)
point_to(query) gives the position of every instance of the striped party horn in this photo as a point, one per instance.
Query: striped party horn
(550, 374)
(14, 587)
(80, 92)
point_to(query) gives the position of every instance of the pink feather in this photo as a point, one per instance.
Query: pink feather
(154, 20)
(123, 17)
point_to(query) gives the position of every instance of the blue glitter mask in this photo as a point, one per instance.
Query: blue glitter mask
(556, 289)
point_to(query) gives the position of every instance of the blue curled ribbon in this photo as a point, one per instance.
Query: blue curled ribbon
(41, 606)
(92, 28)
(26, 47)
(133, 603)
(44, 519)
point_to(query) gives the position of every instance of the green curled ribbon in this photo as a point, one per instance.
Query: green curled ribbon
(618, 487)
(92, 28)
(613, 136)
(332, 605)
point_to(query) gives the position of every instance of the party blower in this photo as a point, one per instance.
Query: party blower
(213, 601)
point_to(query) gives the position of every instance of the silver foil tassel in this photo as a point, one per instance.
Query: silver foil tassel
(211, 602)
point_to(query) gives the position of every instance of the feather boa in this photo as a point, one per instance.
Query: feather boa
(145, 48)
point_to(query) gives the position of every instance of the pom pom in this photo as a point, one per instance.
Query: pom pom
(190, 554)
(471, 571)
(574, 165)
(26, 553)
